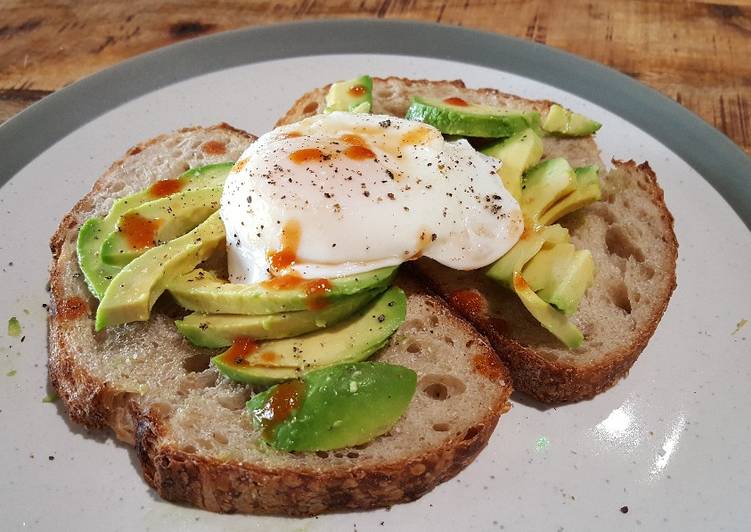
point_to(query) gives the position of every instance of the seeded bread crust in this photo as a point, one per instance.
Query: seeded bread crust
(630, 234)
(194, 441)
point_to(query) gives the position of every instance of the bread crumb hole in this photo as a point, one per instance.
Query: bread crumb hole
(441, 387)
(441, 427)
(311, 107)
(414, 347)
(469, 344)
(437, 391)
(648, 270)
(619, 296)
(448, 340)
(619, 243)
(221, 438)
(338, 455)
(322, 454)
(189, 449)
(434, 321)
(352, 454)
(197, 363)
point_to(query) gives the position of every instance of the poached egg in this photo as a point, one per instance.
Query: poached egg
(344, 193)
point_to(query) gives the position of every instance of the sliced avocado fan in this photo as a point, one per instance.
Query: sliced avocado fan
(96, 230)
(350, 340)
(134, 290)
(220, 330)
(203, 291)
(167, 218)
(559, 278)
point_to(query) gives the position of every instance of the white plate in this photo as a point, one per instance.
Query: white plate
(670, 442)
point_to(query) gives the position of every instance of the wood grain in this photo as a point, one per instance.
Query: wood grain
(697, 53)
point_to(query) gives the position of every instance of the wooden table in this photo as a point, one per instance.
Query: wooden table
(698, 53)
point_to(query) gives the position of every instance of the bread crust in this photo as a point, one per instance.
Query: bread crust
(547, 380)
(231, 486)
(237, 487)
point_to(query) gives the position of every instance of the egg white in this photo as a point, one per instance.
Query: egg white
(413, 195)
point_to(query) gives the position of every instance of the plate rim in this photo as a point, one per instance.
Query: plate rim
(716, 158)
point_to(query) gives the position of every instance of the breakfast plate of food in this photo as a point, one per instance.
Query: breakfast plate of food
(359, 283)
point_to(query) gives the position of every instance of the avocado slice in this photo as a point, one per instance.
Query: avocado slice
(587, 191)
(561, 121)
(95, 230)
(507, 270)
(553, 320)
(88, 246)
(170, 217)
(455, 116)
(517, 153)
(219, 330)
(335, 407)
(560, 275)
(543, 185)
(351, 340)
(355, 96)
(530, 243)
(202, 291)
(134, 290)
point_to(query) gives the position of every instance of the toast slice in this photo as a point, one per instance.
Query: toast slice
(630, 234)
(194, 441)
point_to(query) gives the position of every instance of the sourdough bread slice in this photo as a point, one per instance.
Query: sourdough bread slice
(193, 438)
(630, 233)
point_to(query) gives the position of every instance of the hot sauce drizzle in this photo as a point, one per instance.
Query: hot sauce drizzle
(315, 289)
(353, 140)
(165, 187)
(237, 355)
(470, 302)
(286, 257)
(455, 100)
(306, 155)
(214, 147)
(357, 90)
(359, 153)
(139, 232)
(283, 401)
(417, 136)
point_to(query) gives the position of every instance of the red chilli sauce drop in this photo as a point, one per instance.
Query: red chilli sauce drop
(165, 187)
(237, 355)
(283, 401)
(317, 291)
(306, 155)
(214, 147)
(470, 302)
(455, 100)
(357, 90)
(138, 231)
(286, 257)
(359, 153)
